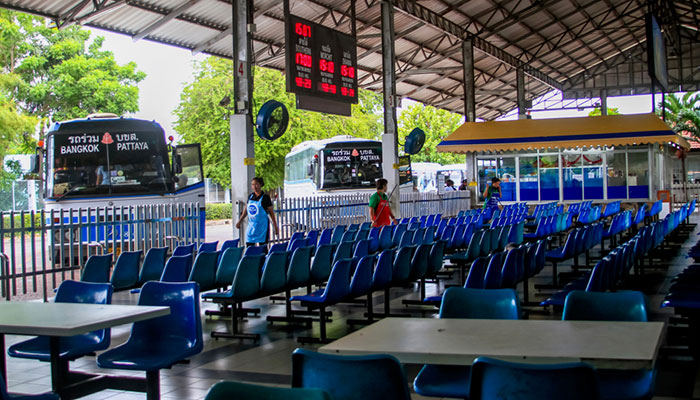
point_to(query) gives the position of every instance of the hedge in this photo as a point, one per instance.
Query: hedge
(218, 211)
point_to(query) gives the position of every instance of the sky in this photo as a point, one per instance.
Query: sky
(168, 69)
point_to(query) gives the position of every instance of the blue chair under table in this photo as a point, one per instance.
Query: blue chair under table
(160, 342)
(72, 347)
(493, 379)
(453, 381)
(229, 390)
(615, 306)
(373, 377)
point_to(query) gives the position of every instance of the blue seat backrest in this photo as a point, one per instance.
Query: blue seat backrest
(361, 248)
(176, 269)
(204, 270)
(437, 253)
(273, 275)
(96, 269)
(279, 247)
(512, 267)
(298, 273)
(321, 264)
(182, 326)
(183, 250)
(228, 262)
(253, 250)
(325, 236)
(126, 269)
(296, 235)
(375, 377)
(338, 286)
(208, 247)
(246, 283)
(493, 379)
(338, 233)
(475, 278)
(385, 241)
(383, 270)
(312, 238)
(228, 244)
(598, 306)
(361, 281)
(399, 230)
(153, 264)
(402, 264)
(492, 277)
(460, 302)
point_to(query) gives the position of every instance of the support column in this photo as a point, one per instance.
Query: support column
(241, 128)
(390, 137)
(469, 89)
(603, 102)
(520, 86)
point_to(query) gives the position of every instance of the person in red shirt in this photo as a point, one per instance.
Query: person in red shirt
(379, 207)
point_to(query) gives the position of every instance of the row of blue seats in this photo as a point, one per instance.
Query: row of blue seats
(550, 225)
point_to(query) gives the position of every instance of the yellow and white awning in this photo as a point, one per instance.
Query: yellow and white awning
(523, 134)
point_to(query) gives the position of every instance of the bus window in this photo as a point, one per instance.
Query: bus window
(191, 165)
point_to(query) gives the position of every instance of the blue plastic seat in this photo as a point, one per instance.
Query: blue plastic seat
(153, 264)
(254, 250)
(126, 270)
(71, 347)
(407, 238)
(228, 262)
(325, 237)
(228, 244)
(295, 236)
(493, 379)
(337, 288)
(160, 342)
(337, 234)
(176, 269)
(96, 269)
(348, 236)
(278, 247)
(208, 247)
(204, 270)
(492, 277)
(374, 377)
(344, 250)
(384, 239)
(619, 306)
(184, 250)
(399, 230)
(453, 381)
(321, 264)
(312, 238)
(245, 391)
(361, 248)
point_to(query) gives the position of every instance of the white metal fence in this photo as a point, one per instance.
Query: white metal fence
(320, 212)
(41, 249)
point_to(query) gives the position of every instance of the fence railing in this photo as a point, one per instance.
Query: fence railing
(42, 249)
(320, 212)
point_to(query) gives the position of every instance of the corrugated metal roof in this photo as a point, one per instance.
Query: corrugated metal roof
(582, 46)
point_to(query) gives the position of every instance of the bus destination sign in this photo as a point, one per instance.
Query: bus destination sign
(320, 61)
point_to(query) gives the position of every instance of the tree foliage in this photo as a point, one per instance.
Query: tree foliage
(200, 119)
(596, 112)
(436, 124)
(62, 74)
(682, 114)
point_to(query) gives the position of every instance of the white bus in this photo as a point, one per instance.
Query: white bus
(105, 160)
(339, 165)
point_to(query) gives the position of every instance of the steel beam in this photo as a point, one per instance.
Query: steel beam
(171, 16)
(410, 7)
(468, 68)
(390, 136)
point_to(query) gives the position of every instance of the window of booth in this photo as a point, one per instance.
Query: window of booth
(572, 174)
(486, 170)
(549, 177)
(592, 175)
(638, 174)
(529, 189)
(506, 172)
(617, 175)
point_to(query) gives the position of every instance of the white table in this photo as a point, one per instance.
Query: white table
(618, 345)
(57, 320)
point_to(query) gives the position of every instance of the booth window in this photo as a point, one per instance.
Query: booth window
(638, 175)
(592, 176)
(506, 171)
(617, 175)
(549, 177)
(528, 179)
(572, 174)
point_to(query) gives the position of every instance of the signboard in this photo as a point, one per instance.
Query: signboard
(333, 156)
(320, 61)
(404, 169)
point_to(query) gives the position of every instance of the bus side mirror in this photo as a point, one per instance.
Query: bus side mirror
(310, 169)
(34, 164)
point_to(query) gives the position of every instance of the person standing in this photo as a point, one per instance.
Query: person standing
(261, 212)
(450, 186)
(379, 208)
(492, 194)
(464, 185)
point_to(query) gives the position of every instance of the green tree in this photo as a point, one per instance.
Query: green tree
(436, 124)
(201, 119)
(597, 112)
(682, 114)
(63, 74)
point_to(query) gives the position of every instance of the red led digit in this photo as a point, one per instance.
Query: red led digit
(351, 72)
(299, 81)
(331, 66)
(302, 29)
(303, 60)
(307, 83)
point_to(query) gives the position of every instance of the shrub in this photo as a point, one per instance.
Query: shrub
(218, 211)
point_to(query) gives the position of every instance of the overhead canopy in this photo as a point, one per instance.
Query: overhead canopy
(523, 134)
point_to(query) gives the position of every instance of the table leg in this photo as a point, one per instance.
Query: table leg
(3, 368)
(57, 374)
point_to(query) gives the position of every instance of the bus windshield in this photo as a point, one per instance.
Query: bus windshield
(351, 165)
(107, 163)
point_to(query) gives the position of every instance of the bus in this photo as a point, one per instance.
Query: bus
(339, 165)
(106, 160)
